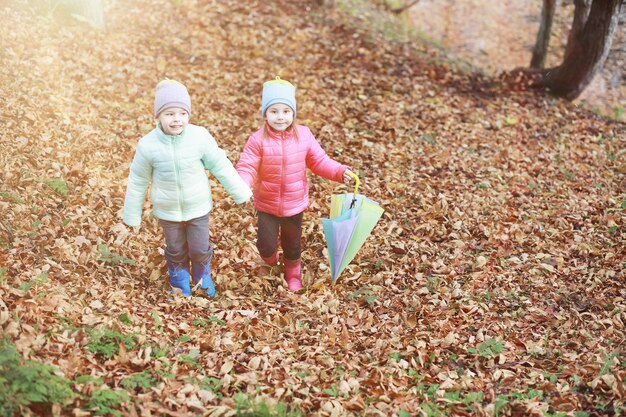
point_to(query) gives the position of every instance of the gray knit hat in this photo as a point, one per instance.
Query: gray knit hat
(171, 93)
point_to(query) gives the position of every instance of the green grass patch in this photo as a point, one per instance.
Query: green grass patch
(3, 275)
(67, 323)
(428, 391)
(125, 318)
(41, 279)
(432, 409)
(107, 402)
(191, 359)
(488, 349)
(157, 321)
(206, 323)
(160, 351)
(211, 384)
(253, 407)
(25, 383)
(429, 138)
(58, 185)
(433, 283)
(105, 342)
(364, 294)
(12, 197)
(608, 363)
(569, 176)
(109, 257)
(415, 375)
(88, 380)
(333, 391)
(141, 381)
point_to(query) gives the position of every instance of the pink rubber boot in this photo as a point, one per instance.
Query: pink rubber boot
(293, 274)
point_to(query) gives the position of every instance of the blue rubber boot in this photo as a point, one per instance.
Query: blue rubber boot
(201, 273)
(179, 277)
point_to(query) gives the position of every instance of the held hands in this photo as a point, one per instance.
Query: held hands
(249, 205)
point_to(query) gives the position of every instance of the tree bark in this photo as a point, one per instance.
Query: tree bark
(581, 13)
(587, 47)
(548, 9)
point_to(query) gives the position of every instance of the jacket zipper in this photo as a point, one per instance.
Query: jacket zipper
(177, 173)
(282, 174)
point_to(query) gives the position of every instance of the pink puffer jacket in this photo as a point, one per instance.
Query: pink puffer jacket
(275, 168)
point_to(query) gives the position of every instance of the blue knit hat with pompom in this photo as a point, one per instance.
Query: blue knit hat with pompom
(278, 91)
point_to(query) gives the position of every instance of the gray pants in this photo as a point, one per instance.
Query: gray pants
(187, 241)
(290, 231)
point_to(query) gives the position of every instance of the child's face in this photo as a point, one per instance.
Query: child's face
(173, 120)
(279, 116)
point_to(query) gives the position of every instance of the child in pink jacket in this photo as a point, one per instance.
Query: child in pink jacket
(273, 163)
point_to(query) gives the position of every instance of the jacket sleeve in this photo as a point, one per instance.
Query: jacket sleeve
(218, 164)
(250, 161)
(136, 187)
(323, 165)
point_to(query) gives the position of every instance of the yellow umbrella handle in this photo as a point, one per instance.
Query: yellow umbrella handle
(356, 187)
(356, 179)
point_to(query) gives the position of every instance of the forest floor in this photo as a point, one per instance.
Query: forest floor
(504, 37)
(492, 285)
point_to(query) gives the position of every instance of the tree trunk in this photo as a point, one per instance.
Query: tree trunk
(581, 13)
(587, 48)
(538, 59)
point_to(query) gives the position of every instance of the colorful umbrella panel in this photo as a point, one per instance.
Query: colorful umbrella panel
(348, 227)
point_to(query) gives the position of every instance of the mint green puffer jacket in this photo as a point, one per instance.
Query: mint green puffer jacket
(175, 165)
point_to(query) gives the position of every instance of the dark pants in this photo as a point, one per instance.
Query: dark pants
(187, 240)
(290, 229)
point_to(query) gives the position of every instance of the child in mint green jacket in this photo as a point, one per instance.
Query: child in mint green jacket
(173, 158)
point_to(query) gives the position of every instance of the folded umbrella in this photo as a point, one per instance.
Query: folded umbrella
(352, 219)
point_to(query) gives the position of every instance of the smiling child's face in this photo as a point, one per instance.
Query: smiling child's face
(173, 120)
(279, 116)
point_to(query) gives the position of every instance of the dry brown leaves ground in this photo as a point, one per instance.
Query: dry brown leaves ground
(493, 284)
